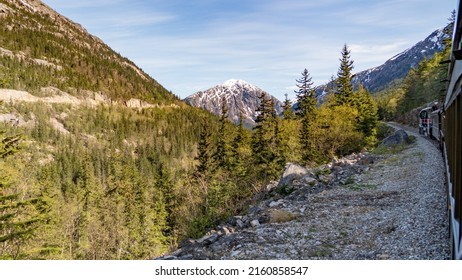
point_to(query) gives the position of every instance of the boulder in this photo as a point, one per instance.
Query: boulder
(292, 172)
(398, 138)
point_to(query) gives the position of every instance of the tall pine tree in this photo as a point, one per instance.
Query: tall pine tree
(288, 113)
(305, 94)
(204, 152)
(306, 98)
(344, 76)
(220, 157)
(264, 136)
(20, 211)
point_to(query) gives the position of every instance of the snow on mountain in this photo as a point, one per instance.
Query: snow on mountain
(378, 78)
(240, 96)
(399, 65)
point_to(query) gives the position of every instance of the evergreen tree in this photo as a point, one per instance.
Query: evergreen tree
(305, 94)
(237, 156)
(263, 137)
(368, 116)
(288, 113)
(20, 212)
(204, 152)
(166, 188)
(306, 98)
(344, 76)
(220, 156)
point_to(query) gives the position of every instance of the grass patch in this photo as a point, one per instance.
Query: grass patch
(360, 187)
(281, 216)
(383, 150)
(322, 171)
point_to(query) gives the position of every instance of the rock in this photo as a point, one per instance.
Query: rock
(261, 240)
(307, 179)
(168, 258)
(212, 239)
(271, 186)
(254, 223)
(240, 223)
(399, 137)
(275, 203)
(292, 172)
(235, 253)
(324, 178)
(202, 239)
(187, 242)
(254, 210)
(226, 231)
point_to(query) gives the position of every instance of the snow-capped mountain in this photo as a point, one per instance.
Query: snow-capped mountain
(399, 65)
(240, 97)
(378, 78)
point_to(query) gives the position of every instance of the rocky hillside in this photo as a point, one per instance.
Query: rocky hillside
(41, 48)
(240, 97)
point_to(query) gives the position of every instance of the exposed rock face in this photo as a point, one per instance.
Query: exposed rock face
(240, 97)
(399, 137)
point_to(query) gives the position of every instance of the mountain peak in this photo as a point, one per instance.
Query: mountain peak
(241, 97)
(235, 82)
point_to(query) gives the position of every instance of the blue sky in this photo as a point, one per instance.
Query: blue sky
(193, 45)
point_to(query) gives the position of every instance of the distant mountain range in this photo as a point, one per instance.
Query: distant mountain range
(240, 96)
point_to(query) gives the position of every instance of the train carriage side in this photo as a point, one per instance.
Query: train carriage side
(452, 129)
(435, 129)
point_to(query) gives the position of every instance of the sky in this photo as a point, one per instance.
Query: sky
(192, 45)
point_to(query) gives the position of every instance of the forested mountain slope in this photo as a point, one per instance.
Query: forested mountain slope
(103, 154)
(41, 48)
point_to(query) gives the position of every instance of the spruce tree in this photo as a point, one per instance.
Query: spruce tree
(204, 152)
(288, 113)
(237, 160)
(368, 117)
(220, 156)
(306, 98)
(344, 76)
(263, 136)
(305, 94)
(20, 212)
